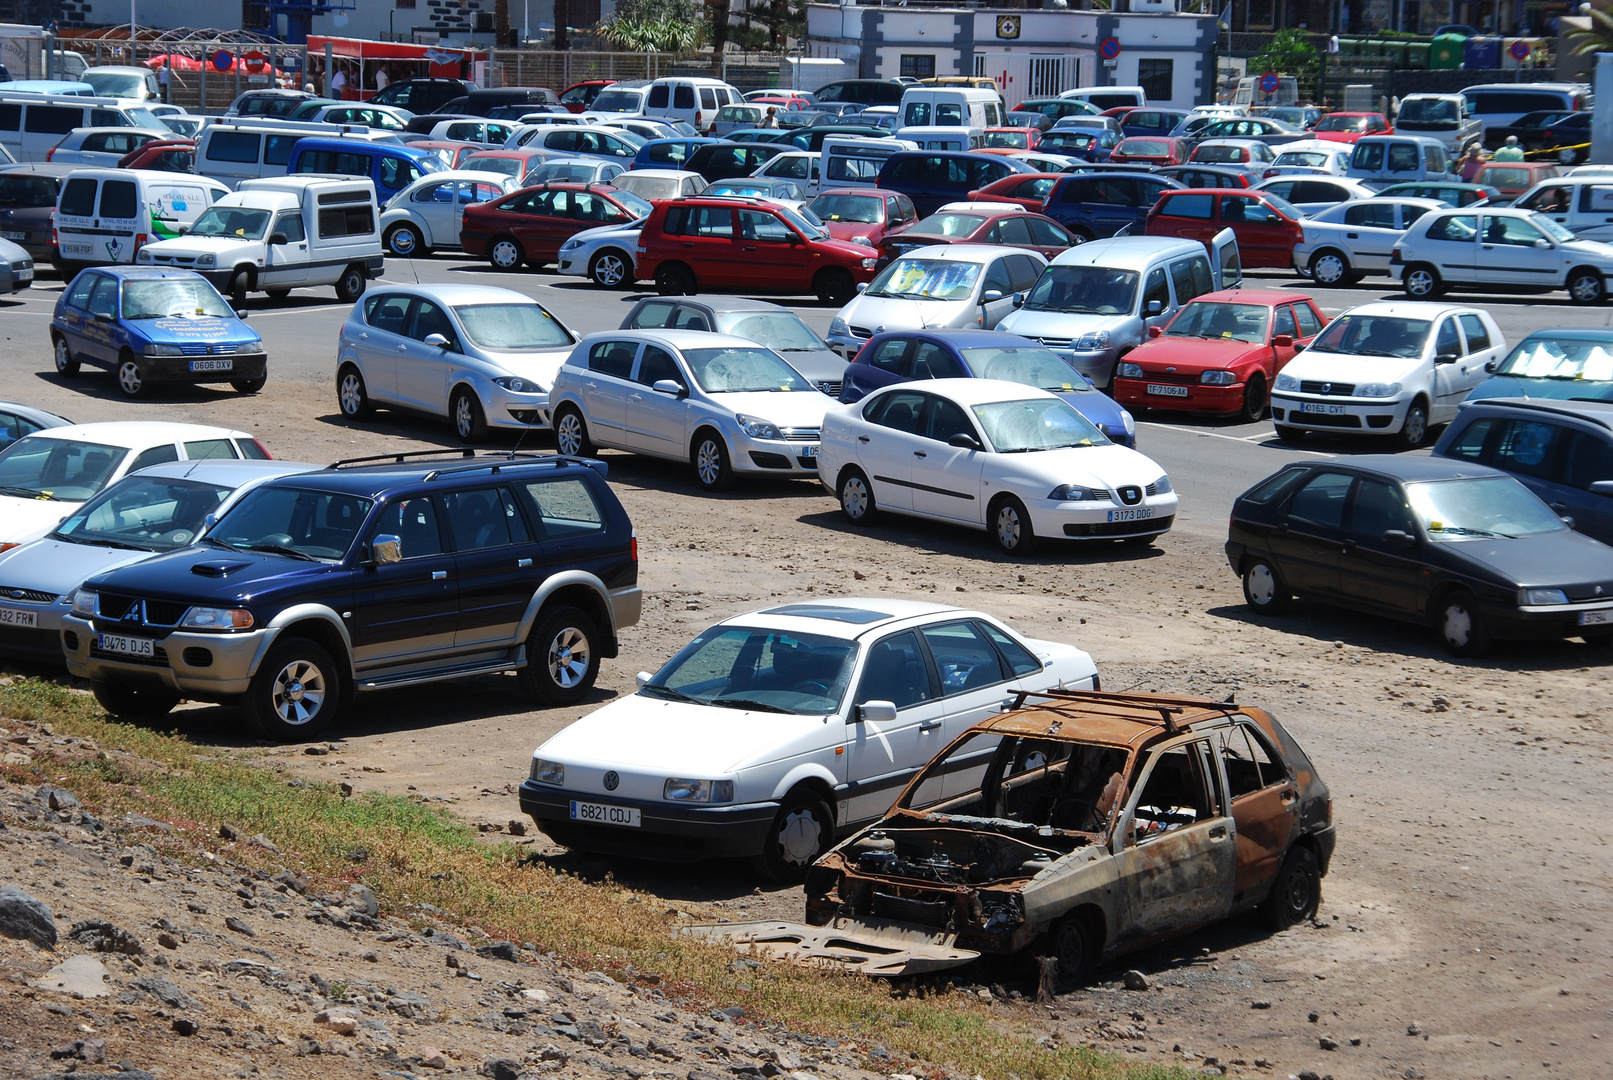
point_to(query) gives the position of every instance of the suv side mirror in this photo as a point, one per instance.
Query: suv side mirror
(879, 712)
(1602, 487)
(1399, 538)
(1446, 358)
(436, 341)
(1283, 341)
(1543, 244)
(964, 441)
(1155, 307)
(669, 386)
(1019, 299)
(386, 549)
(277, 239)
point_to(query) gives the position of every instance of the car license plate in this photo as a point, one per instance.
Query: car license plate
(75, 249)
(1141, 513)
(1586, 618)
(125, 646)
(14, 235)
(809, 451)
(14, 617)
(601, 814)
(1323, 407)
(1167, 391)
(212, 365)
(25, 275)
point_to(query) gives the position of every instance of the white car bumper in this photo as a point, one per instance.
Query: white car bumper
(1101, 520)
(1368, 416)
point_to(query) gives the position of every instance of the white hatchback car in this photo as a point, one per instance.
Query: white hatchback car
(1313, 194)
(1393, 369)
(751, 741)
(1016, 461)
(724, 404)
(1310, 157)
(660, 185)
(1500, 249)
(1345, 243)
(425, 215)
(102, 146)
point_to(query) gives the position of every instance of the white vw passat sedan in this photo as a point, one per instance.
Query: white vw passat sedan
(724, 404)
(480, 356)
(774, 732)
(1500, 250)
(425, 215)
(1345, 243)
(1019, 462)
(1393, 369)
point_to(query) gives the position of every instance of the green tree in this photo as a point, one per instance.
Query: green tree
(658, 25)
(770, 24)
(1288, 52)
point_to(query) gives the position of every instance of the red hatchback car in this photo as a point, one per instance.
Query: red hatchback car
(1028, 190)
(1267, 228)
(749, 244)
(579, 97)
(1011, 139)
(1347, 127)
(863, 215)
(1220, 354)
(1011, 226)
(1151, 150)
(528, 226)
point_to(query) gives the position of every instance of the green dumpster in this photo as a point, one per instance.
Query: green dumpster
(1447, 52)
(1396, 53)
(1417, 54)
(1349, 46)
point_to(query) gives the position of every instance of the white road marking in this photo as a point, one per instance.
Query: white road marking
(298, 311)
(1229, 438)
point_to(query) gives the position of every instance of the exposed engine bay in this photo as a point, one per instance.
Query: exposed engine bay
(955, 856)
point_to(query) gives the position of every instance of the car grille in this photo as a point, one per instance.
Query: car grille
(1055, 342)
(172, 260)
(1119, 528)
(198, 349)
(27, 596)
(116, 607)
(1323, 419)
(1335, 389)
(12, 637)
(1171, 377)
(906, 909)
(830, 387)
(800, 434)
(861, 331)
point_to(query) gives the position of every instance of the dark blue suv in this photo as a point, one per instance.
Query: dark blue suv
(374, 573)
(1096, 206)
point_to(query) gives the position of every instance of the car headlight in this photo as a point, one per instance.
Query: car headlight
(756, 428)
(837, 325)
(1077, 493)
(1162, 486)
(214, 618)
(249, 347)
(207, 260)
(571, 245)
(143, 256)
(156, 349)
(1130, 371)
(1542, 596)
(517, 385)
(1377, 389)
(548, 772)
(1218, 378)
(1089, 342)
(863, 240)
(1287, 382)
(1130, 422)
(870, 263)
(84, 602)
(706, 791)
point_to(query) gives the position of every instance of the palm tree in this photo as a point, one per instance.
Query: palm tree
(1598, 37)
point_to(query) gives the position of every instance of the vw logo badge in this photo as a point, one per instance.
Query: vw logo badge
(611, 780)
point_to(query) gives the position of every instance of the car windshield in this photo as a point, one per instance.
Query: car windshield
(650, 187)
(1028, 365)
(1086, 290)
(154, 513)
(738, 371)
(618, 101)
(67, 469)
(236, 221)
(1373, 335)
(1560, 358)
(292, 521)
(1013, 140)
(635, 206)
(512, 326)
(858, 208)
(1427, 112)
(809, 224)
(1342, 123)
(19, 191)
(781, 331)
(739, 667)
(926, 279)
(1481, 506)
(947, 225)
(1017, 427)
(1225, 322)
(115, 83)
(190, 298)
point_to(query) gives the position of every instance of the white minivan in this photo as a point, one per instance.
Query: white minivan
(1109, 97)
(944, 138)
(32, 124)
(249, 149)
(105, 216)
(690, 99)
(852, 161)
(961, 106)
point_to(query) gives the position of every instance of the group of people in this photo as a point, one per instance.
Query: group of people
(1474, 159)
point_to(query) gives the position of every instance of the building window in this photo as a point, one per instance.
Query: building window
(980, 65)
(918, 65)
(403, 3)
(1047, 76)
(1156, 79)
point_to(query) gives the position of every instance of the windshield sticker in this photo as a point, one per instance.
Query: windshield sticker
(184, 326)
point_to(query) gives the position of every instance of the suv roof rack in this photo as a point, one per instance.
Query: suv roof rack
(492, 460)
(1169, 708)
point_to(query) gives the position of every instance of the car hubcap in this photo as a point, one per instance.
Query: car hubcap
(568, 658)
(403, 242)
(1299, 893)
(854, 498)
(61, 355)
(1586, 288)
(799, 837)
(609, 270)
(462, 416)
(708, 462)
(1008, 527)
(1458, 625)
(1328, 269)
(1262, 585)
(129, 378)
(570, 436)
(1416, 425)
(299, 692)
(352, 395)
(1421, 283)
(504, 254)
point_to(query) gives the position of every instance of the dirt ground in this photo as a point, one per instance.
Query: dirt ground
(1463, 930)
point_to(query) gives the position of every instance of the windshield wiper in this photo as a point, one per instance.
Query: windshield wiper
(1377, 352)
(28, 493)
(1457, 530)
(675, 695)
(748, 703)
(117, 544)
(281, 549)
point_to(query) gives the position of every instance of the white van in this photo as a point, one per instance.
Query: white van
(801, 167)
(963, 106)
(133, 84)
(32, 124)
(1497, 104)
(690, 99)
(1249, 92)
(280, 233)
(1381, 160)
(853, 162)
(239, 149)
(1104, 98)
(943, 138)
(106, 216)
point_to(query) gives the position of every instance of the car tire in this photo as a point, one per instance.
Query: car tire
(1460, 626)
(277, 295)
(611, 268)
(1330, 267)
(129, 703)
(249, 386)
(66, 366)
(802, 830)
(296, 692)
(856, 497)
(1010, 526)
(405, 242)
(131, 378)
(350, 286)
(1414, 432)
(505, 253)
(1254, 400)
(1586, 287)
(834, 287)
(465, 411)
(352, 396)
(240, 285)
(1422, 282)
(571, 434)
(1263, 589)
(1288, 434)
(1296, 892)
(675, 279)
(713, 470)
(562, 657)
(1070, 943)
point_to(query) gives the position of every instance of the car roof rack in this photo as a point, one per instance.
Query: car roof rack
(492, 461)
(1169, 708)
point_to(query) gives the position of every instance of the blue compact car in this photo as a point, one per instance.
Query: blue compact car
(982, 354)
(148, 325)
(668, 153)
(1559, 364)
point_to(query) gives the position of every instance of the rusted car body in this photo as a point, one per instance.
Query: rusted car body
(1079, 826)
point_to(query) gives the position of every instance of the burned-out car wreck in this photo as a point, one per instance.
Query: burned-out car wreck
(1074, 826)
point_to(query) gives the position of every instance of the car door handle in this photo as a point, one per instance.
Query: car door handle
(1218, 833)
(636, 397)
(862, 438)
(920, 453)
(438, 575)
(1352, 236)
(403, 348)
(751, 247)
(1348, 546)
(1558, 508)
(688, 243)
(523, 563)
(363, 336)
(929, 725)
(592, 386)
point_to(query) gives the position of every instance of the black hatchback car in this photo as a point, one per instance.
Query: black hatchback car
(1460, 547)
(372, 574)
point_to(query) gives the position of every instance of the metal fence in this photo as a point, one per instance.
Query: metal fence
(196, 81)
(558, 70)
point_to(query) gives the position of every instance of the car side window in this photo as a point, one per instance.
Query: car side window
(613, 358)
(764, 227)
(483, 518)
(209, 448)
(1177, 793)
(430, 319)
(79, 295)
(1183, 278)
(1510, 231)
(710, 221)
(1082, 190)
(289, 225)
(104, 297)
(688, 318)
(946, 420)
(1156, 289)
(963, 657)
(652, 316)
(1016, 656)
(899, 411)
(657, 364)
(1528, 447)
(1284, 323)
(997, 278)
(155, 455)
(1048, 234)
(891, 356)
(1378, 508)
(932, 361)
(895, 671)
(1012, 230)
(1320, 499)
(1449, 342)
(388, 313)
(1469, 442)
(1457, 228)
(1587, 458)
(1243, 771)
(414, 523)
(1309, 323)
(563, 507)
(1478, 336)
(1022, 269)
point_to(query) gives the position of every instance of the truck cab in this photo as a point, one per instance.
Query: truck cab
(1446, 117)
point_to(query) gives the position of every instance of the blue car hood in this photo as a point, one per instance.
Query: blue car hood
(1556, 389)
(185, 329)
(207, 574)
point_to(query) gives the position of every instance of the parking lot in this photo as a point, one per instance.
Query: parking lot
(1469, 893)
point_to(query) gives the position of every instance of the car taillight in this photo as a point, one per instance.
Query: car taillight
(140, 240)
(635, 547)
(697, 119)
